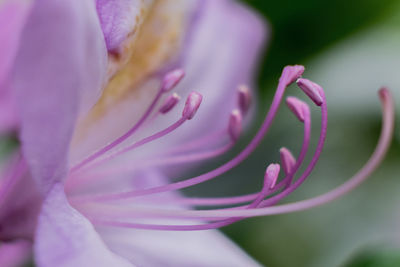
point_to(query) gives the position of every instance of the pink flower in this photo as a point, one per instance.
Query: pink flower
(95, 93)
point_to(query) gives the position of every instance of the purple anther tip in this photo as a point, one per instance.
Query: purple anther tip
(235, 124)
(170, 103)
(288, 161)
(171, 79)
(297, 107)
(311, 89)
(271, 175)
(384, 93)
(192, 104)
(244, 98)
(291, 73)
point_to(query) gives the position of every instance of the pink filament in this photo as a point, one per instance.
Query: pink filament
(81, 180)
(198, 143)
(374, 161)
(249, 197)
(142, 142)
(283, 83)
(190, 157)
(122, 138)
(257, 198)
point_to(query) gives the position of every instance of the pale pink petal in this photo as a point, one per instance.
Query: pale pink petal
(59, 72)
(12, 16)
(65, 238)
(169, 248)
(222, 53)
(221, 47)
(160, 46)
(178, 249)
(120, 18)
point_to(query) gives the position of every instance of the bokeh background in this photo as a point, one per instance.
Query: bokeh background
(351, 47)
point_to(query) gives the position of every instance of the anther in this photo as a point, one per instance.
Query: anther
(291, 73)
(192, 105)
(244, 98)
(235, 124)
(271, 175)
(171, 79)
(384, 93)
(297, 107)
(311, 89)
(287, 160)
(170, 103)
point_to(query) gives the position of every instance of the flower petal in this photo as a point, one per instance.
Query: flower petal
(157, 248)
(221, 54)
(215, 64)
(217, 32)
(12, 14)
(119, 19)
(137, 67)
(59, 72)
(172, 248)
(65, 238)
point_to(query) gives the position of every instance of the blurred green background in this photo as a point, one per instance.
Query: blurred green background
(351, 48)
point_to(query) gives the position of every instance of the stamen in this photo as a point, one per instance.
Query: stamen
(190, 157)
(197, 143)
(271, 175)
(244, 98)
(324, 124)
(296, 106)
(374, 161)
(287, 159)
(192, 105)
(226, 220)
(235, 125)
(311, 89)
(172, 79)
(170, 103)
(169, 81)
(246, 198)
(289, 74)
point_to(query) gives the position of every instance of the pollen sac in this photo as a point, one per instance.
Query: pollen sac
(171, 79)
(287, 160)
(235, 124)
(297, 107)
(170, 103)
(311, 89)
(192, 105)
(384, 93)
(271, 175)
(244, 98)
(291, 73)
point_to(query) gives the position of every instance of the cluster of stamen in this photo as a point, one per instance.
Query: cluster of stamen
(109, 209)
